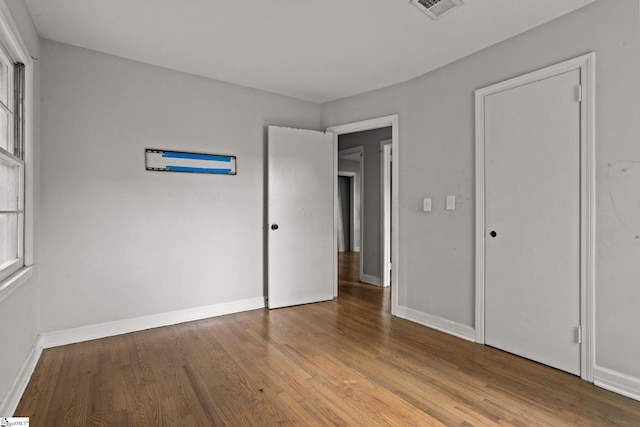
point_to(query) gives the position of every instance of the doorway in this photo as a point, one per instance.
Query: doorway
(362, 154)
(382, 122)
(346, 201)
(350, 166)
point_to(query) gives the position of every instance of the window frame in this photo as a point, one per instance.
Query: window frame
(18, 271)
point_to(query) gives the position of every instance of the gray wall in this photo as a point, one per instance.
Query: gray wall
(372, 217)
(436, 156)
(120, 242)
(19, 324)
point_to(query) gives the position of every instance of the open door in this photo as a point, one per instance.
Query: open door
(300, 199)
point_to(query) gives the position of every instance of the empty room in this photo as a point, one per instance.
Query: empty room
(170, 218)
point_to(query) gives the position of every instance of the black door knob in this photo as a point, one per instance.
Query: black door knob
(493, 234)
(274, 226)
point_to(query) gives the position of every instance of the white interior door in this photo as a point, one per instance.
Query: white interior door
(532, 220)
(300, 192)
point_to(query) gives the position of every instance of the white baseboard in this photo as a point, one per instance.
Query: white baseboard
(371, 280)
(441, 324)
(107, 329)
(617, 382)
(11, 399)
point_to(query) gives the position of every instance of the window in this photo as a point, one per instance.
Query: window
(12, 165)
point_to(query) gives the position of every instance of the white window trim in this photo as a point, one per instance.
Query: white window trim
(16, 47)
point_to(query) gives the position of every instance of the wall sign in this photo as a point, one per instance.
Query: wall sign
(178, 161)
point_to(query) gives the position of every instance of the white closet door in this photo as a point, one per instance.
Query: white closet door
(532, 221)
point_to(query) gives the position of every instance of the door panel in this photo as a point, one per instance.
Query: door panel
(532, 203)
(300, 191)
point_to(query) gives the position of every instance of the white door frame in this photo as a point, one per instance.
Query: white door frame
(363, 125)
(586, 65)
(385, 210)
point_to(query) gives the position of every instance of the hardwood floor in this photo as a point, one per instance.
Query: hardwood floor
(343, 362)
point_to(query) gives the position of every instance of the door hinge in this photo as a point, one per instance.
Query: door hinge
(579, 334)
(579, 93)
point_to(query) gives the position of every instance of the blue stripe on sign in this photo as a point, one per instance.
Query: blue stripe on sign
(199, 170)
(211, 157)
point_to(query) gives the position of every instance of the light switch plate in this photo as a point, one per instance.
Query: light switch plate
(426, 204)
(451, 203)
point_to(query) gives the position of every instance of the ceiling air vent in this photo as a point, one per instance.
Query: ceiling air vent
(436, 8)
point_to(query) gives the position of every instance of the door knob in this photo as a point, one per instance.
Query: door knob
(493, 234)
(274, 226)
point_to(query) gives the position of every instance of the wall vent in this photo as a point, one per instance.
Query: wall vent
(437, 8)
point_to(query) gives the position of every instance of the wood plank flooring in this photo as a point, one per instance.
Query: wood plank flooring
(346, 362)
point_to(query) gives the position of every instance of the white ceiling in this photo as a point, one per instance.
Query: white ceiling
(318, 50)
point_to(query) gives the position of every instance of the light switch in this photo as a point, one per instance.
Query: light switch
(451, 203)
(426, 204)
